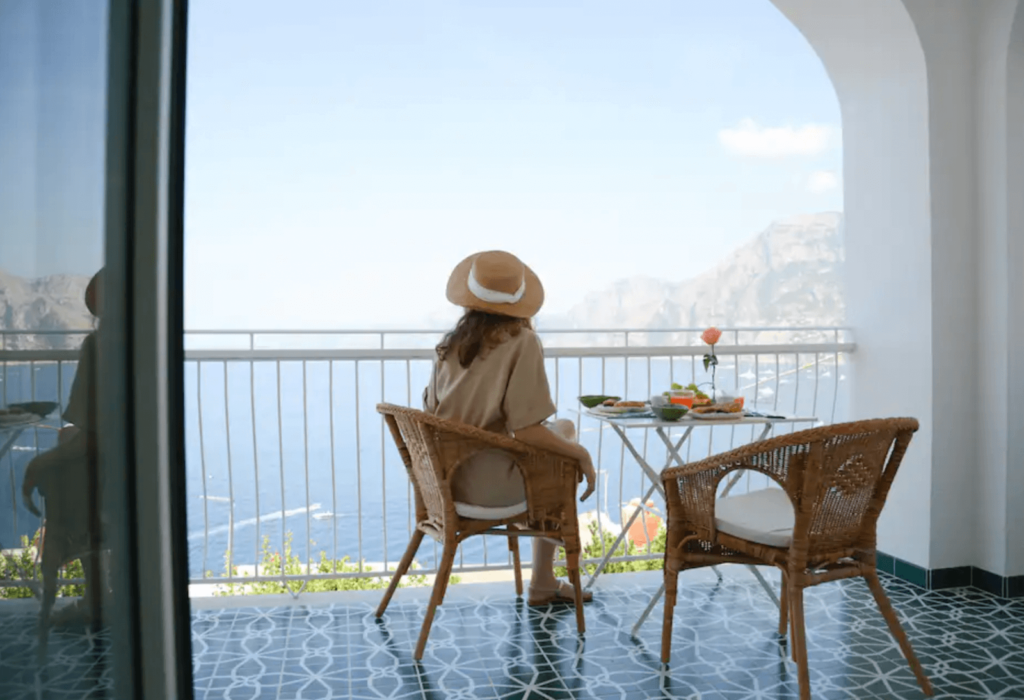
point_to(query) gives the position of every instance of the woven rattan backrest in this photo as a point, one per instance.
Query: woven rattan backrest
(417, 444)
(847, 479)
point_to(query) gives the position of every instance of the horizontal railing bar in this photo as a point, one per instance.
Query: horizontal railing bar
(46, 331)
(242, 354)
(427, 331)
(412, 572)
(553, 352)
(38, 583)
(39, 355)
(441, 331)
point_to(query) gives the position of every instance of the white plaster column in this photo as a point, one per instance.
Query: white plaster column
(1014, 197)
(874, 58)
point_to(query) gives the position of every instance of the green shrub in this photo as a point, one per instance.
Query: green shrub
(272, 562)
(625, 548)
(17, 567)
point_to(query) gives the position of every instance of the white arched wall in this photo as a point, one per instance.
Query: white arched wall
(1013, 198)
(932, 100)
(871, 52)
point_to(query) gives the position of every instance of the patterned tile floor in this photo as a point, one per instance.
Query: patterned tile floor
(485, 644)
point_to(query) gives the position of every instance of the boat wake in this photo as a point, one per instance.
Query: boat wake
(248, 522)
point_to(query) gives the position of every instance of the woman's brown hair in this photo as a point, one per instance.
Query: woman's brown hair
(477, 333)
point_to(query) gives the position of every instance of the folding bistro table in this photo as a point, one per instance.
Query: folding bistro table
(622, 423)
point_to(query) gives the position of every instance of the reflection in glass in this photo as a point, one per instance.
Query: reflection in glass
(54, 621)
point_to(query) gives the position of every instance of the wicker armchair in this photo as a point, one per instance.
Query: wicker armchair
(820, 527)
(432, 450)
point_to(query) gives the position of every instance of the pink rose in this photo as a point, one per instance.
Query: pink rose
(711, 335)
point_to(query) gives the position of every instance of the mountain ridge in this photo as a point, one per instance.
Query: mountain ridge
(50, 303)
(789, 274)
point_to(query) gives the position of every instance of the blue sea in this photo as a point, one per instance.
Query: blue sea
(296, 450)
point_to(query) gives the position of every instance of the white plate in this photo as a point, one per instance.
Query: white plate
(10, 420)
(715, 416)
(619, 410)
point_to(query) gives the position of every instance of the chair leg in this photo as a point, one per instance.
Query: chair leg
(572, 561)
(49, 572)
(671, 582)
(513, 546)
(443, 571)
(799, 639)
(783, 606)
(885, 607)
(403, 566)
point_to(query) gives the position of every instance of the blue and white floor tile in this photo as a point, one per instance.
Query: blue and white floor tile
(485, 644)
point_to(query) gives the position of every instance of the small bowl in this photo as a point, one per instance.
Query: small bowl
(659, 400)
(593, 400)
(670, 413)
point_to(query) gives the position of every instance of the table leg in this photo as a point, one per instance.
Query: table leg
(673, 450)
(728, 487)
(647, 611)
(9, 443)
(618, 540)
(654, 476)
(764, 584)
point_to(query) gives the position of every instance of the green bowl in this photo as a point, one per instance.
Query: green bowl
(592, 400)
(673, 412)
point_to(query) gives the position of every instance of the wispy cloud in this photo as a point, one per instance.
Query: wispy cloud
(822, 181)
(751, 140)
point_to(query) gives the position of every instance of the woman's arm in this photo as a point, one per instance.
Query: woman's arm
(542, 438)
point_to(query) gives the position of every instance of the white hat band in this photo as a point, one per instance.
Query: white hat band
(491, 296)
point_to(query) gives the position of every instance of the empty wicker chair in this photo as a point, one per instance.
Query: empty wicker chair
(433, 449)
(820, 527)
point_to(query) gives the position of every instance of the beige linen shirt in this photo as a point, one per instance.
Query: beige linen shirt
(504, 391)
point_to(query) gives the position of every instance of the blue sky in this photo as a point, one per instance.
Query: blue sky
(342, 156)
(52, 127)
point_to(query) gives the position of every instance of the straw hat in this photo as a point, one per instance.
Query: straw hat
(496, 282)
(94, 294)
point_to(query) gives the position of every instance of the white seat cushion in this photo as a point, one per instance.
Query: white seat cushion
(468, 510)
(764, 516)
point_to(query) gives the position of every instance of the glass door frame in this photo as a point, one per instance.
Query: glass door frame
(142, 446)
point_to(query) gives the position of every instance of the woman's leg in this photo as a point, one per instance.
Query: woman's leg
(542, 577)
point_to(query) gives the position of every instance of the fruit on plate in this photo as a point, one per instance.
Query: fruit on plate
(731, 407)
(696, 392)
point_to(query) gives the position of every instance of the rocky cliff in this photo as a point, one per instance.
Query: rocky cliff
(54, 303)
(788, 275)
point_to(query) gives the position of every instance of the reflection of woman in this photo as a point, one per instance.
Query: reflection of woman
(62, 475)
(490, 374)
(82, 400)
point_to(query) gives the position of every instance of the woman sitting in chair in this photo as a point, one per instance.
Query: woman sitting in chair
(66, 476)
(490, 374)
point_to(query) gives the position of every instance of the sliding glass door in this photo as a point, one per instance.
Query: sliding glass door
(93, 598)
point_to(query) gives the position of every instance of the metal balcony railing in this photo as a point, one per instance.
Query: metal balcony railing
(284, 448)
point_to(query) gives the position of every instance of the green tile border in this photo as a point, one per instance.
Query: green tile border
(954, 577)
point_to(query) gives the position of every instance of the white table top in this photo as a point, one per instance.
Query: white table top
(22, 425)
(689, 422)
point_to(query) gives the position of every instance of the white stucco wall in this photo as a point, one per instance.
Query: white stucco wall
(989, 502)
(947, 30)
(871, 52)
(1014, 194)
(932, 99)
